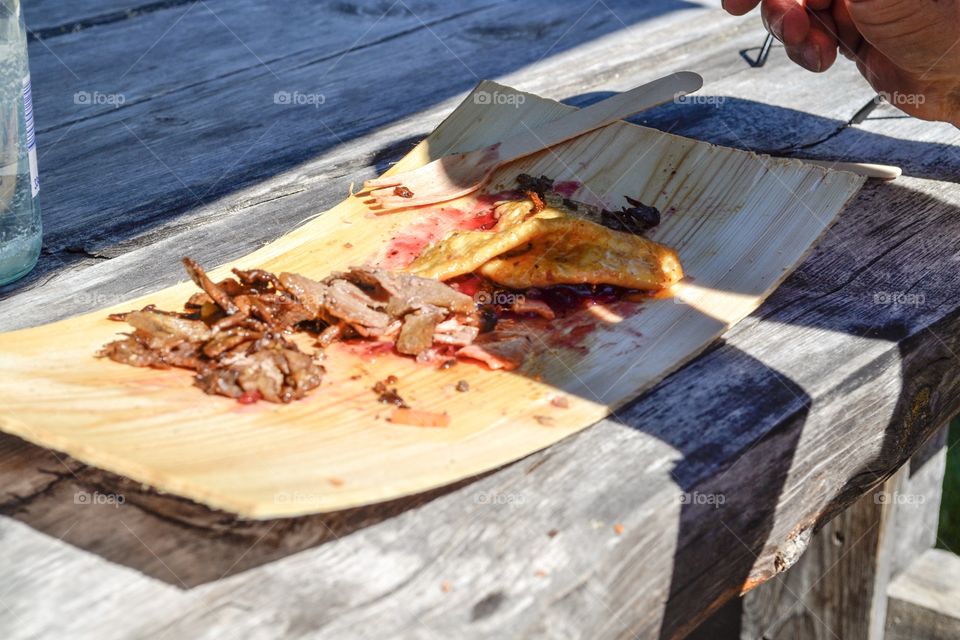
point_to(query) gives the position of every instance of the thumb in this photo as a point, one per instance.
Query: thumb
(906, 52)
(906, 32)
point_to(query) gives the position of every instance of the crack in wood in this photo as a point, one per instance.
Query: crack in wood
(74, 26)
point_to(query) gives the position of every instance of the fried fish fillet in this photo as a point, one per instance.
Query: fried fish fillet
(549, 248)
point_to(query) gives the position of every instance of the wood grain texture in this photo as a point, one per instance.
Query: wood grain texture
(267, 182)
(838, 588)
(925, 600)
(800, 409)
(917, 516)
(48, 18)
(740, 223)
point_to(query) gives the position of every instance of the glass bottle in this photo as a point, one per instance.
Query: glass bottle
(20, 230)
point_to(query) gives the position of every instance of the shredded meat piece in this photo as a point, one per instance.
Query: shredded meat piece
(133, 352)
(218, 295)
(199, 299)
(454, 333)
(275, 369)
(255, 277)
(161, 326)
(416, 336)
(387, 394)
(403, 292)
(348, 302)
(499, 351)
(232, 333)
(529, 305)
(309, 293)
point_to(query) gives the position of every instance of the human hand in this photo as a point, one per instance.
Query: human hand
(907, 49)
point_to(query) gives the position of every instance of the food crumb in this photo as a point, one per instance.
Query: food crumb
(463, 386)
(560, 401)
(446, 364)
(446, 587)
(402, 192)
(337, 482)
(546, 421)
(552, 533)
(417, 418)
(387, 394)
(540, 573)
(348, 245)
(538, 204)
(618, 528)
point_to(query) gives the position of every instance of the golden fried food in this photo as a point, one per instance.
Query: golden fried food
(572, 251)
(464, 251)
(527, 249)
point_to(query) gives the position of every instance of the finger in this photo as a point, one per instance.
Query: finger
(823, 39)
(739, 7)
(818, 51)
(877, 69)
(787, 20)
(847, 33)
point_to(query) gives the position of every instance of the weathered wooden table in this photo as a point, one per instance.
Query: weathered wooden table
(160, 135)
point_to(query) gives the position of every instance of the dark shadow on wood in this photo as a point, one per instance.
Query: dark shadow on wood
(717, 518)
(746, 124)
(169, 538)
(928, 366)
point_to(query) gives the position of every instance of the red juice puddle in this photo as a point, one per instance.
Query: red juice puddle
(570, 302)
(403, 248)
(468, 284)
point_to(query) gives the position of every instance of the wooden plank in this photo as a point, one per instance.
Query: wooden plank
(154, 56)
(87, 211)
(812, 599)
(917, 515)
(325, 452)
(838, 588)
(925, 599)
(812, 456)
(50, 18)
(83, 222)
(589, 580)
(923, 149)
(823, 358)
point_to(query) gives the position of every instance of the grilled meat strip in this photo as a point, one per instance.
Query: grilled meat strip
(234, 332)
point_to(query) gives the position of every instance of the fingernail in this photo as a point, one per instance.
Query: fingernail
(811, 58)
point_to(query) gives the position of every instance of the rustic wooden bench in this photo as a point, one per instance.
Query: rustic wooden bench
(159, 135)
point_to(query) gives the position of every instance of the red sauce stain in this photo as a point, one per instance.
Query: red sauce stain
(435, 225)
(566, 188)
(367, 351)
(468, 284)
(249, 397)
